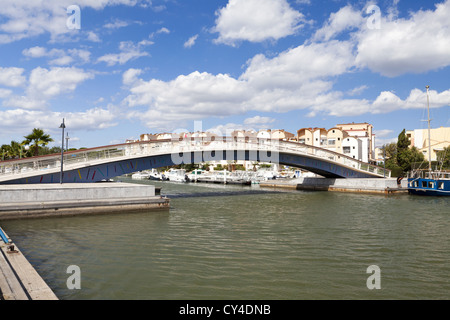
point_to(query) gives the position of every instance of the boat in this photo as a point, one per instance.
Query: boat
(195, 174)
(225, 177)
(155, 175)
(429, 182)
(176, 175)
(142, 175)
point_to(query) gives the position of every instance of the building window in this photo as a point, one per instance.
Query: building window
(301, 140)
(331, 142)
(346, 149)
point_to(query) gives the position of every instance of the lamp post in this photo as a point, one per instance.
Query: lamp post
(62, 126)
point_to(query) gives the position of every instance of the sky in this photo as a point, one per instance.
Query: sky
(115, 69)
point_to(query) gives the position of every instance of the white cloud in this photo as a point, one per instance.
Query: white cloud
(163, 30)
(21, 19)
(346, 18)
(44, 84)
(128, 51)
(58, 56)
(18, 121)
(258, 121)
(116, 24)
(49, 83)
(92, 36)
(297, 65)
(416, 44)
(256, 21)
(301, 77)
(386, 102)
(12, 76)
(357, 91)
(129, 77)
(191, 41)
(295, 79)
(383, 133)
(4, 93)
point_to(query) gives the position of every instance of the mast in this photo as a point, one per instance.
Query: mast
(429, 130)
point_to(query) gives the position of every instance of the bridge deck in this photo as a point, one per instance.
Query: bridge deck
(95, 164)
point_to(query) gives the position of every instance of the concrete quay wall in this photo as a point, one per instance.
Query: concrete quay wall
(362, 185)
(47, 200)
(72, 191)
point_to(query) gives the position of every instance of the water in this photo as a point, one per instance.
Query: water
(233, 242)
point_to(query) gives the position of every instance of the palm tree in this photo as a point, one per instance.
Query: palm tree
(38, 138)
(11, 151)
(3, 151)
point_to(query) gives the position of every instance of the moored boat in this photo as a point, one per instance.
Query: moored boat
(429, 182)
(176, 175)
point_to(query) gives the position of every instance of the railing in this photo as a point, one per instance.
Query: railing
(426, 174)
(93, 156)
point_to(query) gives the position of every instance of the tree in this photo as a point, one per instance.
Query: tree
(443, 157)
(37, 138)
(12, 151)
(390, 153)
(405, 155)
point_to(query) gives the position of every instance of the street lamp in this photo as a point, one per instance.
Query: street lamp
(62, 126)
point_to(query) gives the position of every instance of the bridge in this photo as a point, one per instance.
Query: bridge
(97, 164)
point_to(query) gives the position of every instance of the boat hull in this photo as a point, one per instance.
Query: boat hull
(429, 187)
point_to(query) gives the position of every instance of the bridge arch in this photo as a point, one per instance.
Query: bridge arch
(96, 164)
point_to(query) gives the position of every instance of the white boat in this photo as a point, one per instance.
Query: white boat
(176, 175)
(195, 174)
(155, 175)
(226, 177)
(140, 175)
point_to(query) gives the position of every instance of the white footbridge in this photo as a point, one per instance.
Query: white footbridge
(106, 162)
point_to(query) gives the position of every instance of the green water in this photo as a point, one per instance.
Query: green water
(233, 242)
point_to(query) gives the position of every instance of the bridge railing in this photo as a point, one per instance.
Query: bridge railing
(86, 157)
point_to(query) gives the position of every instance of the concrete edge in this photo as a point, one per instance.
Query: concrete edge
(18, 278)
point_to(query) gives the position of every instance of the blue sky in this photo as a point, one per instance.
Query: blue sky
(146, 66)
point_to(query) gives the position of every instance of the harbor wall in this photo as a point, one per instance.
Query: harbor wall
(362, 185)
(30, 201)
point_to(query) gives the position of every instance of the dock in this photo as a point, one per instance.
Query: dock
(51, 200)
(18, 279)
(357, 185)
